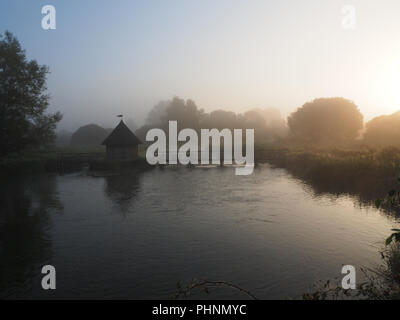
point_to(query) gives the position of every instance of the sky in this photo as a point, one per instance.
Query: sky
(113, 57)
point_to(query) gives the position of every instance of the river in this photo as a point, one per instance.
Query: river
(136, 235)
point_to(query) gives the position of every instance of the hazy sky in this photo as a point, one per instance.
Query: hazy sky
(111, 57)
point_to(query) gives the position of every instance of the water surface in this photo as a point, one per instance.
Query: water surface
(135, 235)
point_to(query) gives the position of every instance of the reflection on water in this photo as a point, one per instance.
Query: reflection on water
(122, 189)
(365, 190)
(136, 234)
(25, 242)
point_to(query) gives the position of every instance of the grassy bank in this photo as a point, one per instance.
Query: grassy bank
(60, 159)
(51, 160)
(380, 283)
(335, 163)
(367, 174)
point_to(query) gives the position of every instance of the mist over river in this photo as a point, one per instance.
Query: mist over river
(135, 235)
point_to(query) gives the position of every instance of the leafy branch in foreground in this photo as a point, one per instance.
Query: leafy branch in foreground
(395, 235)
(379, 284)
(392, 199)
(206, 286)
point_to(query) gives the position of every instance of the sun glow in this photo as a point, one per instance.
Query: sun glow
(387, 86)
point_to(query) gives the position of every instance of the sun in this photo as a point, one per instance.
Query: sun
(386, 89)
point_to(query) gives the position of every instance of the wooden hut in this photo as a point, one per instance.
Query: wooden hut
(121, 144)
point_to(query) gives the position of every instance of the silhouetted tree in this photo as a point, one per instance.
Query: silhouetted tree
(275, 125)
(184, 112)
(383, 130)
(142, 131)
(268, 123)
(89, 135)
(220, 119)
(23, 103)
(326, 120)
(157, 114)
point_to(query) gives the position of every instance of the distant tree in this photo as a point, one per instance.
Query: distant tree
(276, 126)
(23, 102)
(383, 130)
(142, 131)
(158, 113)
(184, 112)
(268, 123)
(89, 135)
(326, 120)
(253, 119)
(219, 119)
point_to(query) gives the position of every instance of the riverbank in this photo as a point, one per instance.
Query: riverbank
(367, 174)
(54, 160)
(336, 163)
(59, 160)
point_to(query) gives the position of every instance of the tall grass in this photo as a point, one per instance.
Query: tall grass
(49, 160)
(364, 174)
(343, 162)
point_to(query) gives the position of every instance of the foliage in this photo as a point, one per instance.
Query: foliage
(378, 285)
(383, 130)
(89, 135)
(49, 160)
(395, 235)
(326, 120)
(393, 199)
(335, 163)
(23, 103)
(267, 123)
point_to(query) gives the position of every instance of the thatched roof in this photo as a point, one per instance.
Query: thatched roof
(121, 136)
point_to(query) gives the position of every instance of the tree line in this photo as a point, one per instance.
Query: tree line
(322, 122)
(25, 122)
(268, 123)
